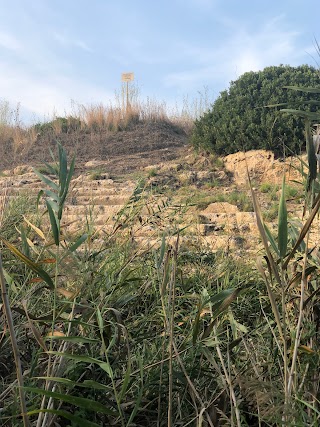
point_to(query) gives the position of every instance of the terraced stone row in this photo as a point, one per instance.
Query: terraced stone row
(95, 204)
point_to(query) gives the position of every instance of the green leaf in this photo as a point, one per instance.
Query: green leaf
(71, 171)
(271, 239)
(220, 303)
(79, 242)
(100, 320)
(312, 159)
(80, 422)
(85, 384)
(54, 223)
(309, 406)
(76, 357)
(80, 402)
(126, 382)
(196, 326)
(25, 244)
(282, 223)
(68, 180)
(80, 340)
(162, 251)
(63, 168)
(107, 368)
(32, 265)
(304, 230)
(304, 89)
(300, 113)
(55, 206)
(46, 180)
(52, 195)
(51, 169)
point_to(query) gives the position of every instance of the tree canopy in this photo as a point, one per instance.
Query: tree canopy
(247, 116)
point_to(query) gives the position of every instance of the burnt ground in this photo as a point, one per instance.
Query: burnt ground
(137, 146)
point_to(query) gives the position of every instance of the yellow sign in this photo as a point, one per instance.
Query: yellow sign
(127, 77)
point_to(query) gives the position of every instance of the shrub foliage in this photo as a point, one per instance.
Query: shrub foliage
(239, 119)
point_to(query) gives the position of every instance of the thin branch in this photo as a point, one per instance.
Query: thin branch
(8, 314)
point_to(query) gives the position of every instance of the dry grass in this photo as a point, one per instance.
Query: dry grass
(87, 124)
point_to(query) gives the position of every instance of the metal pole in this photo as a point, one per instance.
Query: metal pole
(127, 97)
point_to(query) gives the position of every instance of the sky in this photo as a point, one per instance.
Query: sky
(55, 54)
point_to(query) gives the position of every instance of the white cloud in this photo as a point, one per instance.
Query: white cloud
(245, 50)
(45, 96)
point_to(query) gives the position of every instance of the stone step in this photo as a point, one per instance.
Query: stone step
(101, 200)
(245, 220)
(75, 194)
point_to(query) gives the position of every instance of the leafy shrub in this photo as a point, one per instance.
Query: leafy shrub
(239, 119)
(59, 125)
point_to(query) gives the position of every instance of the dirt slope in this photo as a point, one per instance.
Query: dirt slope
(138, 145)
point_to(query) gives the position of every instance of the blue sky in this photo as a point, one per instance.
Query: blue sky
(55, 51)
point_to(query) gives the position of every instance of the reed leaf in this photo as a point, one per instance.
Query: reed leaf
(304, 114)
(283, 223)
(46, 180)
(54, 223)
(80, 402)
(304, 89)
(77, 421)
(31, 264)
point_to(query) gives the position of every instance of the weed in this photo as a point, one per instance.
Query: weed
(95, 175)
(152, 173)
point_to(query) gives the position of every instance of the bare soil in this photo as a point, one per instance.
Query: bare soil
(139, 145)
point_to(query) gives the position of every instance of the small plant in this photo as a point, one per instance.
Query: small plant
(96, 175)
(271, 213)
(266, 187)
(152, 173)
(292, 192)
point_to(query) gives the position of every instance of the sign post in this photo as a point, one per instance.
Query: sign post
(127, 77)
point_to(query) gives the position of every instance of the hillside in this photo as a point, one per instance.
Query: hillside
(136, 145)
(211, 196)
(153, 285)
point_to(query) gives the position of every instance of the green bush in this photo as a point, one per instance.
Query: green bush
(239, 119)
(59, 125)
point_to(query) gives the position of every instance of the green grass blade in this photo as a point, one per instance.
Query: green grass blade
(32, 265)
(46, 180)
(70, 173)
(52, 195)
(283, 223)
(77, 421)
(304, 230)
(78, 243)
(54, 205)
(220, 303)
(312, 159)
(309, 406)
(300, 113)
(196, 326)
(68, 180)
(271, 239)
(25, 244)
(79, 340)
(263, 235)
(77, 357)
(53, 170)
(54, 223)
(126, 382)
(63, 168)
(80, 402)
(162, 251)
(303, 89)
(85, 384)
